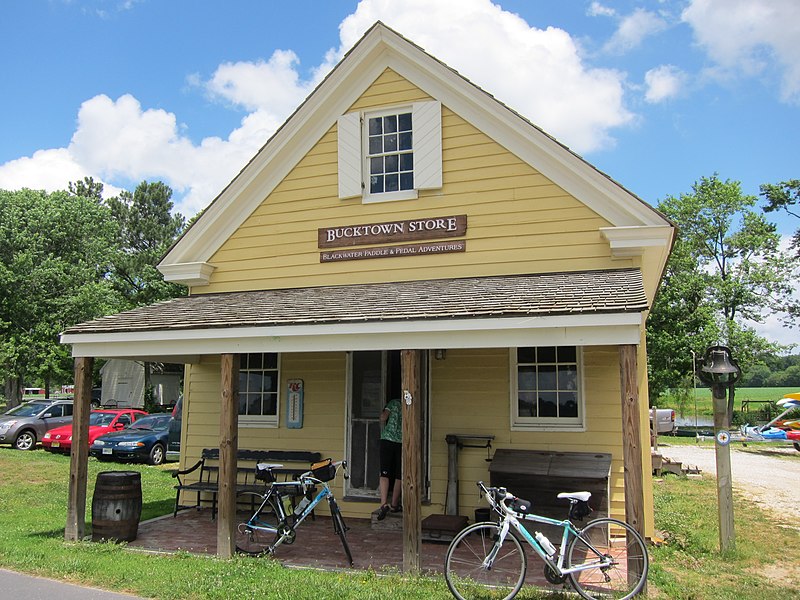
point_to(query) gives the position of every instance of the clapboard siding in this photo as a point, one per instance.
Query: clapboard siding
(470, 394)
(518, 220)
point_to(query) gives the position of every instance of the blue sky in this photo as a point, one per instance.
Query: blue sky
(654, 93)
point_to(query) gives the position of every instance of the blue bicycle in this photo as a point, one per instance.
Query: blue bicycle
(275, 518)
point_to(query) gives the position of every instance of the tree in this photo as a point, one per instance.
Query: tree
(726, 268)
(54, 251)
(88, 188)
(147, 228)
(784, 196)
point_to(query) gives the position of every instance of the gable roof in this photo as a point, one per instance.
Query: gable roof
(378, 49)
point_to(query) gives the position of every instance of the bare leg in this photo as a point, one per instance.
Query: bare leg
(384, 488)
(398, 487)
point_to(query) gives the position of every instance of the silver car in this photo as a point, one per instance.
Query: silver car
(23, 425)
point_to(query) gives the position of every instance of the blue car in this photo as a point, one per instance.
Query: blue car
(145, 441)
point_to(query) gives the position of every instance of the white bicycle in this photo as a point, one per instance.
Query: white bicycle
(605, 559)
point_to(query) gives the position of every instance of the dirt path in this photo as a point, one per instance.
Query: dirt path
(769, 475)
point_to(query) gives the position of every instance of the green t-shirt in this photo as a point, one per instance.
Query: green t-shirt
(393, 430)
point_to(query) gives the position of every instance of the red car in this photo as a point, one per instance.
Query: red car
(100, 422)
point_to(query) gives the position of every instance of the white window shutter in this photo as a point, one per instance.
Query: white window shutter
(427, 119)
(349, 134)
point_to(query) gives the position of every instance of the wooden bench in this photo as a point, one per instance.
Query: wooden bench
(207, 467)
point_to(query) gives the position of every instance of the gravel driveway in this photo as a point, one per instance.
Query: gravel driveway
(767, 474)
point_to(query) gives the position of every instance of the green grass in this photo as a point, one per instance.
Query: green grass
(33, 500)
(705, 408)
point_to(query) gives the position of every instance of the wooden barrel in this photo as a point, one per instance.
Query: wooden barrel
(116, 506)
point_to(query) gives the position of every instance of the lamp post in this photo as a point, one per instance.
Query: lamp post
(720, 372)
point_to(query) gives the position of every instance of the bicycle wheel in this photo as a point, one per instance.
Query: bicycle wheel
(465, 574)
(341, 529)
(250, 539)
(624, 577)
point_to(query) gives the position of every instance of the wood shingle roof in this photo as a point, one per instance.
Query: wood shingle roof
(584, 292)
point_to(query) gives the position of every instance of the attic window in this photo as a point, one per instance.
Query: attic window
(390, 154)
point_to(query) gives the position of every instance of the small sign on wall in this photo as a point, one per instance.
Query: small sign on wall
(294, 404)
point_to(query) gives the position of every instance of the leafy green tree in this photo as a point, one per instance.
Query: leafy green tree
(88, 188)
(784, 196)
(147, 228)
(54, 251)
(726, 268)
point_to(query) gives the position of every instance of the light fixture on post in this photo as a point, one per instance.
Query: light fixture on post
(720, 372)
(440, 354)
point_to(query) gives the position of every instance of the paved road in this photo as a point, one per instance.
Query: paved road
(17, 585)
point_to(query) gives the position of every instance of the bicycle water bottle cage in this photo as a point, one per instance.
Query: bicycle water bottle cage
(518, 505)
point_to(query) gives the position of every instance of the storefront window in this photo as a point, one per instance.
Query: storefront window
(258, 389)
(546, 389)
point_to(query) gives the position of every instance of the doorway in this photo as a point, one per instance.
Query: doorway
(374, 378)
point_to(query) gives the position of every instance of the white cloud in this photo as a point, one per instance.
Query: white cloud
(599, 10)
(749, 37)
(538, 72)
(633, 29)
(663, 83)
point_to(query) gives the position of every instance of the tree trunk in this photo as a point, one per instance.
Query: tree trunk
(13, 392)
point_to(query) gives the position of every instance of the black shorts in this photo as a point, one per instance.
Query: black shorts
(391, 459)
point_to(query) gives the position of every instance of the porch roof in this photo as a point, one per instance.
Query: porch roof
(269, 318)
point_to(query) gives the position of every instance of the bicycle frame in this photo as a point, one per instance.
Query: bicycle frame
(284, 529)
(510, 519)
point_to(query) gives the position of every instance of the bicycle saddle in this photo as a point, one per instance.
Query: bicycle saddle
(576, 496)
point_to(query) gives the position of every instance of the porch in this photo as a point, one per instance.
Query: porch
(316, 546)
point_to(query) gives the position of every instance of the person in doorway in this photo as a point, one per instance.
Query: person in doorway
(391, 457)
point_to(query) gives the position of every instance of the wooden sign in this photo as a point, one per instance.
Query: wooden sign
(393, 251)
(432, 228)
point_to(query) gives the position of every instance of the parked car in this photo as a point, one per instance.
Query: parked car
(174, 445)
(665, 418)
(145, 440)
(100, 422)
(23, 425)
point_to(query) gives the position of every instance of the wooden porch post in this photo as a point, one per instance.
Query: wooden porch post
(412, 463)
(79, 455)
(228, 447)
(632, 443)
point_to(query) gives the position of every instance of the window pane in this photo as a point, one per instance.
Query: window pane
(242, 404)
(546, 377)
(407, 161)
(376, 184)
(568, 377)
(375, 126)
(376, 165)
(392, 183)
(547, 404)
(405, 141)
(547, 355)
(254, 404)
(567, 354)
(526, 404)
(375, 145)
(404, 122)
(270, 404)
(391, 163)
(526, 379)
(526, 355)
(390, 124)
(269, 382)
(406, 181)
(568, 404)
(390, 143)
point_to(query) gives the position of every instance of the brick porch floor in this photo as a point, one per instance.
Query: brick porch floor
(316, 544)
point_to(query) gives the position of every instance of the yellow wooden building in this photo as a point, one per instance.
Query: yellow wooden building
(404, 231)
